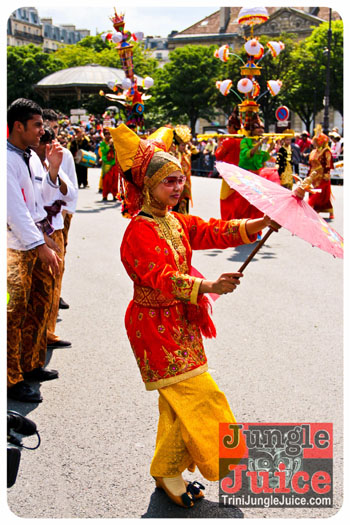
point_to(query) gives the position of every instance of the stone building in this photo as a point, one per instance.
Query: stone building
(221, 27)
(55, 36)
(157, 47)
(24, 27)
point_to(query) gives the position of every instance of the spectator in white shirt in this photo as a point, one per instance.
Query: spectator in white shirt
(53, 206)
(31, 262)
(51, 119)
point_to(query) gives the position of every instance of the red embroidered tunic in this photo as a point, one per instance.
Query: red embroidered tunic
(156, 253)
(320, 160)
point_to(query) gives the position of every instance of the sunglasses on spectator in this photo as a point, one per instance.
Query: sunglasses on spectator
(172, 181)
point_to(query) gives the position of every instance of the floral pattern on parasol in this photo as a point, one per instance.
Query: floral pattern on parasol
(282, 206)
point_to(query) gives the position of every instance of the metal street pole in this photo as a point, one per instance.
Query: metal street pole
(326, 95)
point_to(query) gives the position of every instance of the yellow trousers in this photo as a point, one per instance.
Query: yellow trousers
(188, 430)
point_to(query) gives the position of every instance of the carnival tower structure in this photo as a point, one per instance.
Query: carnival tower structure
(127, 93)
(248, 85)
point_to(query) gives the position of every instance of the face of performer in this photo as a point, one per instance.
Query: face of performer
(258, 131)
(29, 133)
(169, 190)
(107, 136)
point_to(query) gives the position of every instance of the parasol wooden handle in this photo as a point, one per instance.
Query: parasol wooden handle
(256, 249)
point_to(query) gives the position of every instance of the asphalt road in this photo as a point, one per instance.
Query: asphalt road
(278, 357)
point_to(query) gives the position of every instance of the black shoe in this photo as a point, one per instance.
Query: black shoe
(59, 344)
(40, 374)
(63, 305)
(23, 392)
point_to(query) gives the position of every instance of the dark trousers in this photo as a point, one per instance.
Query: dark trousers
(82, 175)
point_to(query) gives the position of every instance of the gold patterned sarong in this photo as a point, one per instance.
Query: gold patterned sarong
(29, 284)
(58, 237)
(188, 430)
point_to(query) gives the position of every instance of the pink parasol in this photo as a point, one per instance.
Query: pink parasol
(283, 207)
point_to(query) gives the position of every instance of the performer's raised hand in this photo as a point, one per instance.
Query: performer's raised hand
(54, 154)
(226, 283)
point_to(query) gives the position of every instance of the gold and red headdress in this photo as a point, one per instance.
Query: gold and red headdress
(320, 137)
(142, 162)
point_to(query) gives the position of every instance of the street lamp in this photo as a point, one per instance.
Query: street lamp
(326, 94)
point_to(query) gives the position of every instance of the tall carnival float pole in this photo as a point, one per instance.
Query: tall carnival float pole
(127, 93)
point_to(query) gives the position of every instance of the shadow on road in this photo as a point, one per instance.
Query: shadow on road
(241, 253)
(161, 507)
(102, 206)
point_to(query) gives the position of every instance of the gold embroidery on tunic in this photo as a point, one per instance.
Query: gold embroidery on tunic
(171, 230)
(145, 296)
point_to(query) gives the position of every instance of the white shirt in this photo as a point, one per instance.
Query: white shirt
(336, 148)
(68, 166)
(24, 200)
(51, 196)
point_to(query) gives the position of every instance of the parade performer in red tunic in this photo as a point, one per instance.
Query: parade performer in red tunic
(252, 158)
(168, 315)
(321, 163)
(229, 150)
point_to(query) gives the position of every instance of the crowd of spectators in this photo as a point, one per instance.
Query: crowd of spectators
(203, 163)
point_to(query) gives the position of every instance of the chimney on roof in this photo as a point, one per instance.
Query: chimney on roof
(224, 18)
(314, 11)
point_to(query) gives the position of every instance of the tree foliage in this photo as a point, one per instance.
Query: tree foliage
(307, 78)
(185, 87)
(26, 66)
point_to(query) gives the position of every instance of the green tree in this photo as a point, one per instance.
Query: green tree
(184, 88)
(93, 50)
(317, 44)
(26, 65)
(307, 78)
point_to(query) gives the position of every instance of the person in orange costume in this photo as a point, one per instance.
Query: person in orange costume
(321, 163)
(228, 150)
(168, 315)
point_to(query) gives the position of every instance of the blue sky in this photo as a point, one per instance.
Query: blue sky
(146, 17)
